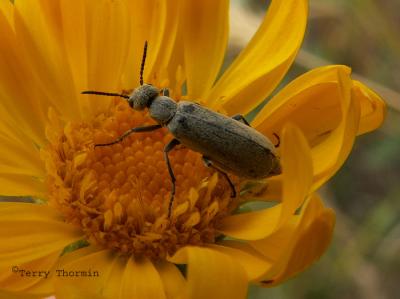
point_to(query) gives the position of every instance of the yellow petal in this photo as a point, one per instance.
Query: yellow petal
(19, 156)
(12, 295)
(168, 37)
(321, 104)
(253, 225)
(39, 34)
(119, 277)
(297, 170)
(211, 274)
(310, 245)
(311, 101)
(330, 154)
(108, 34)
(35, 237)
(205, 27)
(299, 243)
(141, 280)
(32, 232)
(267, 190)
(265, 60)
(373, 108)
(73, 15)
(252, 262)
(316, 94)
(38, 283)
(154, 22)
(172, 279)
(19, 92)
(7, 9)
(102, 261)
(21, 185)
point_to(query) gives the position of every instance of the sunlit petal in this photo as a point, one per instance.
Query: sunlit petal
(265, 60)
(205, 269)
(38, 31)
(205, 35)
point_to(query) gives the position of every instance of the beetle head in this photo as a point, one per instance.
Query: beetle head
(142, 96)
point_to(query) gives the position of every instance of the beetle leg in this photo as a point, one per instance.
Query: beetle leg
(208, 163)
(129, 132)
(241, 118)
(170, 146)
(278, 138)
(165, 92)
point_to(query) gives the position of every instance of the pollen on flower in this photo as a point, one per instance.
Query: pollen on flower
(119, 194)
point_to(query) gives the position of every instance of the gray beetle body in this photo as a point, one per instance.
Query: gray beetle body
(227, 144)
(230, 144)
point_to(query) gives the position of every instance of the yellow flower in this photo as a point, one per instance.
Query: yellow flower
(104, 210)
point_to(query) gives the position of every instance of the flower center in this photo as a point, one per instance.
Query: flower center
(119, 194)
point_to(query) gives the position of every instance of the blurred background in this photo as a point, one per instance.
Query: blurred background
(363, 260)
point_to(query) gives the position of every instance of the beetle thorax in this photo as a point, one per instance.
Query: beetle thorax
(162, 109)
(142, 96)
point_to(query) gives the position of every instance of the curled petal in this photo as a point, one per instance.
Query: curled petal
(330, 154)
(311, 101)
(322, 104)
(297, 244)
(373, 108)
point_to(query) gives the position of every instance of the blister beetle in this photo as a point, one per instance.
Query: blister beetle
(228, 144)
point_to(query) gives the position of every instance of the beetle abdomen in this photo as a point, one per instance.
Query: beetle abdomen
(230, 144)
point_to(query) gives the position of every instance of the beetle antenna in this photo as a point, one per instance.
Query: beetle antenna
(110, 94)
(143, 62)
